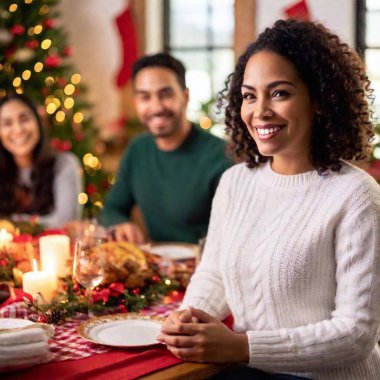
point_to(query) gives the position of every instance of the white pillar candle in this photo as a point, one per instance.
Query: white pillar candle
(54, 253)
(39, 282)
(5, 238)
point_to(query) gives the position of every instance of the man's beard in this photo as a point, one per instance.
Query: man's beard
(169, 130)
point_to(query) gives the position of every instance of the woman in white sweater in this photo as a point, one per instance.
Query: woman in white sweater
(293, 247)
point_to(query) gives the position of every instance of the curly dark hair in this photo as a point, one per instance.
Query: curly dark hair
(336, 80)
(42, 171)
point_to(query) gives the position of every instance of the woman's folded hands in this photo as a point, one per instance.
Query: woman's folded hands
(194, 335)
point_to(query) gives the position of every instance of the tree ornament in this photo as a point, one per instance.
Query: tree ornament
(17, 30)
(49, 23)
(91, 189)
(66, 145)
(23, 55)
(53, 61)
(32, 44)
(67, 51)
(10, 52)
(79, 136)
(62, 82)
(5, 37)
(55, 143)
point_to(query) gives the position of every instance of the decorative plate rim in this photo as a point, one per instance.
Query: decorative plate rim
(83, 328)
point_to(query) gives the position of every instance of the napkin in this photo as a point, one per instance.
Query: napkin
(25, 345)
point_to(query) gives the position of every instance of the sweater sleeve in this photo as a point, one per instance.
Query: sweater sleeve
(351, 333)
(120, 199)
(206, 290)
(67, 185)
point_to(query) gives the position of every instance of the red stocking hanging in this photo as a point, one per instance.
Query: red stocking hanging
(299, 11)
(127, 32)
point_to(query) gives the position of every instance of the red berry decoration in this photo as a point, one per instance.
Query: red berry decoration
(41, 318)
(156, 278)
(136, 291)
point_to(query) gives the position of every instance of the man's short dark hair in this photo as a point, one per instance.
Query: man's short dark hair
(161, 60)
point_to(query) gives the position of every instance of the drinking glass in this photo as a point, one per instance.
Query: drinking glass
(88, 268)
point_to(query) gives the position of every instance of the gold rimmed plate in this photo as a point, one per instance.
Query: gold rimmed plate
(131, 330)
(174, 250)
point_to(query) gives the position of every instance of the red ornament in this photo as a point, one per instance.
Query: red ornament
(67, 51)
(10, 51)
(32, 44)
(45, 91)
(3, 263)
(90, 189)
(17, 30)
(53, 61)
(66, 145)
(56, 144)
(62, 82)
(49, 23)
(79, 136)
(136, 291)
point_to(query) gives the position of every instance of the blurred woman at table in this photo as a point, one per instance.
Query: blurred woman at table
(35, 181)
(293, 247)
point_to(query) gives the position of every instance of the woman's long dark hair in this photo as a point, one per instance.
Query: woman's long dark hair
(42, 171)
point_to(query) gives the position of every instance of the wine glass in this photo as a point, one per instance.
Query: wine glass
(88, 268)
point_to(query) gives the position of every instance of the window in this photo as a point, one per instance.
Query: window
(368, 42)
(200, 34)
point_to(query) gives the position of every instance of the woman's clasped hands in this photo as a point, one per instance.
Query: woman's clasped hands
(194, 335)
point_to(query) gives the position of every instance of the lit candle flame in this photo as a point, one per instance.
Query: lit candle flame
(35, 269)
(3, 234)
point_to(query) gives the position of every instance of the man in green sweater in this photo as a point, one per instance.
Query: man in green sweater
(172, 171)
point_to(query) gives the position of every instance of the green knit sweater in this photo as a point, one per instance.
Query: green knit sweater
(174, 189)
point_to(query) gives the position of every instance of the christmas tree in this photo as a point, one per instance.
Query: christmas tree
(35, 60)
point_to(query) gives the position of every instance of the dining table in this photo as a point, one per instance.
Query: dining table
(74, 358)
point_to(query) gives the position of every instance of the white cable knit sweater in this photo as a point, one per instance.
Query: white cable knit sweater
(296, 260)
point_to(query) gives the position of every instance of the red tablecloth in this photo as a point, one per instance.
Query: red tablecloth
(114, 365)
(76, 358)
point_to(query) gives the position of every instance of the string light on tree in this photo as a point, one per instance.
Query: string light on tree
(38, 67)
(75, 79)
(82, 198)
(26, 74)
(13, 8)
(45, 44)
(69, 103)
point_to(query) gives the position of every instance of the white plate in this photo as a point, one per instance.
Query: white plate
(174, 251)
(122, 330)
(14, 323)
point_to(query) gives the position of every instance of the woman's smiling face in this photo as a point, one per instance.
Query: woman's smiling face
(277, 109)
(19, 131)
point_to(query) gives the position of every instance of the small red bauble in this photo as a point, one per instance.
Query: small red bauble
(17, 30)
